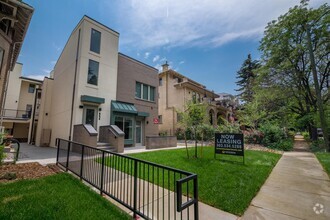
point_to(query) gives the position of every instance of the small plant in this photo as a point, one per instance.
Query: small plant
(2, 154)
(318, 146)
(229, 128)
(306, 135)
(285, 145)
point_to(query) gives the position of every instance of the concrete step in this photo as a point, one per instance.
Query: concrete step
(105, 146)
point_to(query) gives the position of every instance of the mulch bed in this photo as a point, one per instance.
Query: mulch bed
(27, 171)
(258, 147)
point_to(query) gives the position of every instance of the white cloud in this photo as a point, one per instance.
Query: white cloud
(39, 77)
(210, 23)
(146, 55)
(156, 58)
(181, 62)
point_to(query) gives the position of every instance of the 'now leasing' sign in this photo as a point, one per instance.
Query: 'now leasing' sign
(232, 144)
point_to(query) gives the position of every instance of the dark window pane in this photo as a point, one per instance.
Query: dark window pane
(90, 115)
(95, 41)
(138, 90)
(152, 93)
(31, 88)
(93, 72)
(119, 121)
(145, 92)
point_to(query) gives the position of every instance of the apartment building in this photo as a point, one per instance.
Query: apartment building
(21, 108)
(15, 18)
(137, 88)
(175, 90)
(93, 84)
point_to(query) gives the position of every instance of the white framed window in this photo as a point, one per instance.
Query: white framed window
(145, 92)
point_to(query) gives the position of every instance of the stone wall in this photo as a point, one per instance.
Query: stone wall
(155, 142)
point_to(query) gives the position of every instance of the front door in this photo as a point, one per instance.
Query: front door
(138, 133)
(90, 116)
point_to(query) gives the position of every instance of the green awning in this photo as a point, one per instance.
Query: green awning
(87, 98)
(143, 114)
(123, 107)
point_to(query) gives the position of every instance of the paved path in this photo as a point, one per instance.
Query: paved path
(297, 188)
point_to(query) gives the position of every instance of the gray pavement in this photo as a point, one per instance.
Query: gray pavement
(297, 188)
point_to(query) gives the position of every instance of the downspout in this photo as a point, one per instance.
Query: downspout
(74, 86)
(34, 114)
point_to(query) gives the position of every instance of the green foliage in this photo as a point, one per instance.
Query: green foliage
(285, 145)
(2, 154)
(306, 136)
(273, 134)
(318, 146)
(246, 77)
(253, 136)
(228, 127)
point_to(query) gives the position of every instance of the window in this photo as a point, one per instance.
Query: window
(126, 125)
(28, 110)
(145, 92)
(95, 41)
(32, 88)
(178, 117)
(160, 119)
(160, 81)
(93, 72)
(2, 52)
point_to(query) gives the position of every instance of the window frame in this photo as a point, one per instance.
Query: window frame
(91, 42)
(97, 75)
(31, 86)
(144, 87)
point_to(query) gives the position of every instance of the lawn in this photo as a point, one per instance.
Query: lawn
(324, 159)
(59, 196)
(226, 184)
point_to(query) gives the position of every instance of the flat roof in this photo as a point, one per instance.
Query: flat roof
(31, 79)
(137, 61)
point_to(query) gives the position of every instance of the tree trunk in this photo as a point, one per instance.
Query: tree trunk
(185, 142)
(202, 144)
(318, 91)
(195, 143)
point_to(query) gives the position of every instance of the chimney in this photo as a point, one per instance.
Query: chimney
(165, 67)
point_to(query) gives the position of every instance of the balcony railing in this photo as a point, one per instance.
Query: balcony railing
(17, 114)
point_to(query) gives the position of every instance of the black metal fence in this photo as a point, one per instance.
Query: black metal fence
(13, 113)
(149, 190)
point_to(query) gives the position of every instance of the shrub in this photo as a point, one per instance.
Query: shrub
(253, 136)
(318, 146)
(2, 154)
(273, 134)
(285, 145)
(229, 128)
(306, 135)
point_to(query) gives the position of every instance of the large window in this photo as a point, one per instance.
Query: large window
(95, 41)
(126, 125)
(145, 92)
(93, 72)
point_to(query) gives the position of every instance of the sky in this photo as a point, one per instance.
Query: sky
(205, 40)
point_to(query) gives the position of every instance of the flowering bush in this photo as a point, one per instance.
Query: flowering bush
(253, 136)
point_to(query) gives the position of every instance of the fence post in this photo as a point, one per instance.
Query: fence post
(102, 173)
(135, 189)
(196, 215)
(67, 157)
(58, 149)
(82, 161)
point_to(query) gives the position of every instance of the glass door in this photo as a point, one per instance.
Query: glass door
(90, 116)
(138, 133)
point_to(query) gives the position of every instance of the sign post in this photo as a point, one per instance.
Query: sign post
(230, 144)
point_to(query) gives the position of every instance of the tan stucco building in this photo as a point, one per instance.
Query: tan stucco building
(15, 18)
(175, 90)
(21, 108)
(93, 84)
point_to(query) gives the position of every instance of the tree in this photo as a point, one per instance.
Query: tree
(246, 76)
(296, 57)
(192, 118)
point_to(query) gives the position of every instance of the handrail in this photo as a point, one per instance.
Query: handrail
(129, 179)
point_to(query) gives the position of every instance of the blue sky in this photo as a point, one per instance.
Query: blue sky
(206, 40)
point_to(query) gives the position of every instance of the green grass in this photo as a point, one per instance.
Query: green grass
(324, 159)
(60, 196)
(226, 184)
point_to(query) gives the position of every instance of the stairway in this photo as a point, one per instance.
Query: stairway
(105, 146)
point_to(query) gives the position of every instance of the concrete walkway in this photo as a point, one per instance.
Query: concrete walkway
(297, 188)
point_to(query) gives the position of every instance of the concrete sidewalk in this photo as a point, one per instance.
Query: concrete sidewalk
(297, 188)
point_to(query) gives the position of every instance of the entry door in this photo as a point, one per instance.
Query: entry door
(90, 116)
(138, 133)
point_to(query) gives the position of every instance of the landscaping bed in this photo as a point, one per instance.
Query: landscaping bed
(25, 171)
(58, 196)
(225, 183)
